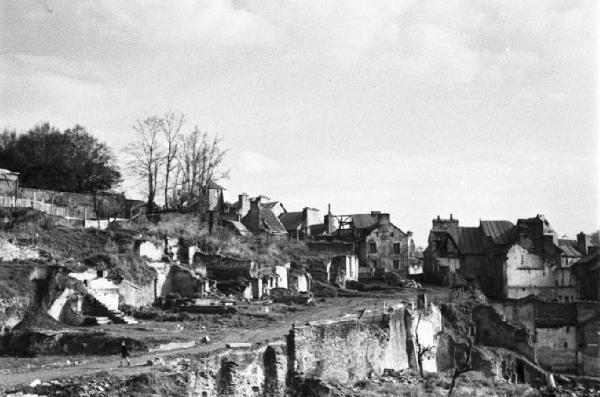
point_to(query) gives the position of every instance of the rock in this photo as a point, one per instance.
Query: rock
(205, 339)
(35, 383)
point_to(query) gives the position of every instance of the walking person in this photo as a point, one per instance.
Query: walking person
(124, 355)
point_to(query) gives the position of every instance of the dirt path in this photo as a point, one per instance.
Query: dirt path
(332, 309)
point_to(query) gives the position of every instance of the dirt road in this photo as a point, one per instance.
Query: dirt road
(332, 308)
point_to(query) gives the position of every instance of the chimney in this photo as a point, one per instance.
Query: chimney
(382, 219)
(243, 204)
(329, 221)
(583, 243)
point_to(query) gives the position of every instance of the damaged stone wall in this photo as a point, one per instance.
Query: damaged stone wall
(560, 333)
(10, 251)
(492, 330)
(588, 320)
(12, 310)
(258, 371)
(347, 351)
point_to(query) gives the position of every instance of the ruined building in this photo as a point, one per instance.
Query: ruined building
(379, 244)
(263, 217)
(504, 260)
(302, 224)
(587, 269)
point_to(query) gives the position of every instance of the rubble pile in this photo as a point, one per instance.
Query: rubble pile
(405, 377)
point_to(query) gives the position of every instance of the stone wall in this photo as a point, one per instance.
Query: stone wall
(10, 251)
(588, 319)
(386, 237)
(342, 351)
(149, 250)
(332, 248)
(258, 371)
(492, 330)
(347, 351)
(556, 348)
(12, 311)
(137, 295)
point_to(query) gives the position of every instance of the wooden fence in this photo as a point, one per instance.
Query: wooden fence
(41, 206)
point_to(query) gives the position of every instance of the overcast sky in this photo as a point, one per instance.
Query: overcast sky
(483, 109)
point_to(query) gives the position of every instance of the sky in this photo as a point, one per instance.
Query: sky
(483, 109)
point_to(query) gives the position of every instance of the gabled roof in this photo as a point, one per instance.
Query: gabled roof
(291, 220)
(238, 227)
(501, 232)
(270, 205)
(590, 263)
(470, 240)
(317, 229)
(364, 221)
(271, 222)
(569, 248)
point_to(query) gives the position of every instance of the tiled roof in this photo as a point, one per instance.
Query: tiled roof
(271, 221)
(318, 229)
(501, 232)
(270, 205)
(364, 221)
(569, 248)
(468, 239)
(239, 227)
(291, 220)
(590, 262)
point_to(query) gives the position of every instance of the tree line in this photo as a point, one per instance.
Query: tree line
(171, 159)
(72, 160)
(178, 162)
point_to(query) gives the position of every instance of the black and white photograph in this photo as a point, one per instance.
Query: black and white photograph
(297, 198)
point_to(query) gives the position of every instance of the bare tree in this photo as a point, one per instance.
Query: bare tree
(147, 154)
(422, 351)
(464, 364)
(200, 162)
(171, 128)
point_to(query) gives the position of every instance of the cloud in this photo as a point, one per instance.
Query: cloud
(255, 163)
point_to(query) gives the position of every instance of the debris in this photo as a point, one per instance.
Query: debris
(235, 345)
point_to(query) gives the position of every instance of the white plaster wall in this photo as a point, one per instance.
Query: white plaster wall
(428, 328)
(282, 272)
(528, 274)
(352, 267)
(247, 294)
(415, 268)
(452, 263)
(162, 271)
(59, 303)
(302, 284)
(148, 250)
(105, 291)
